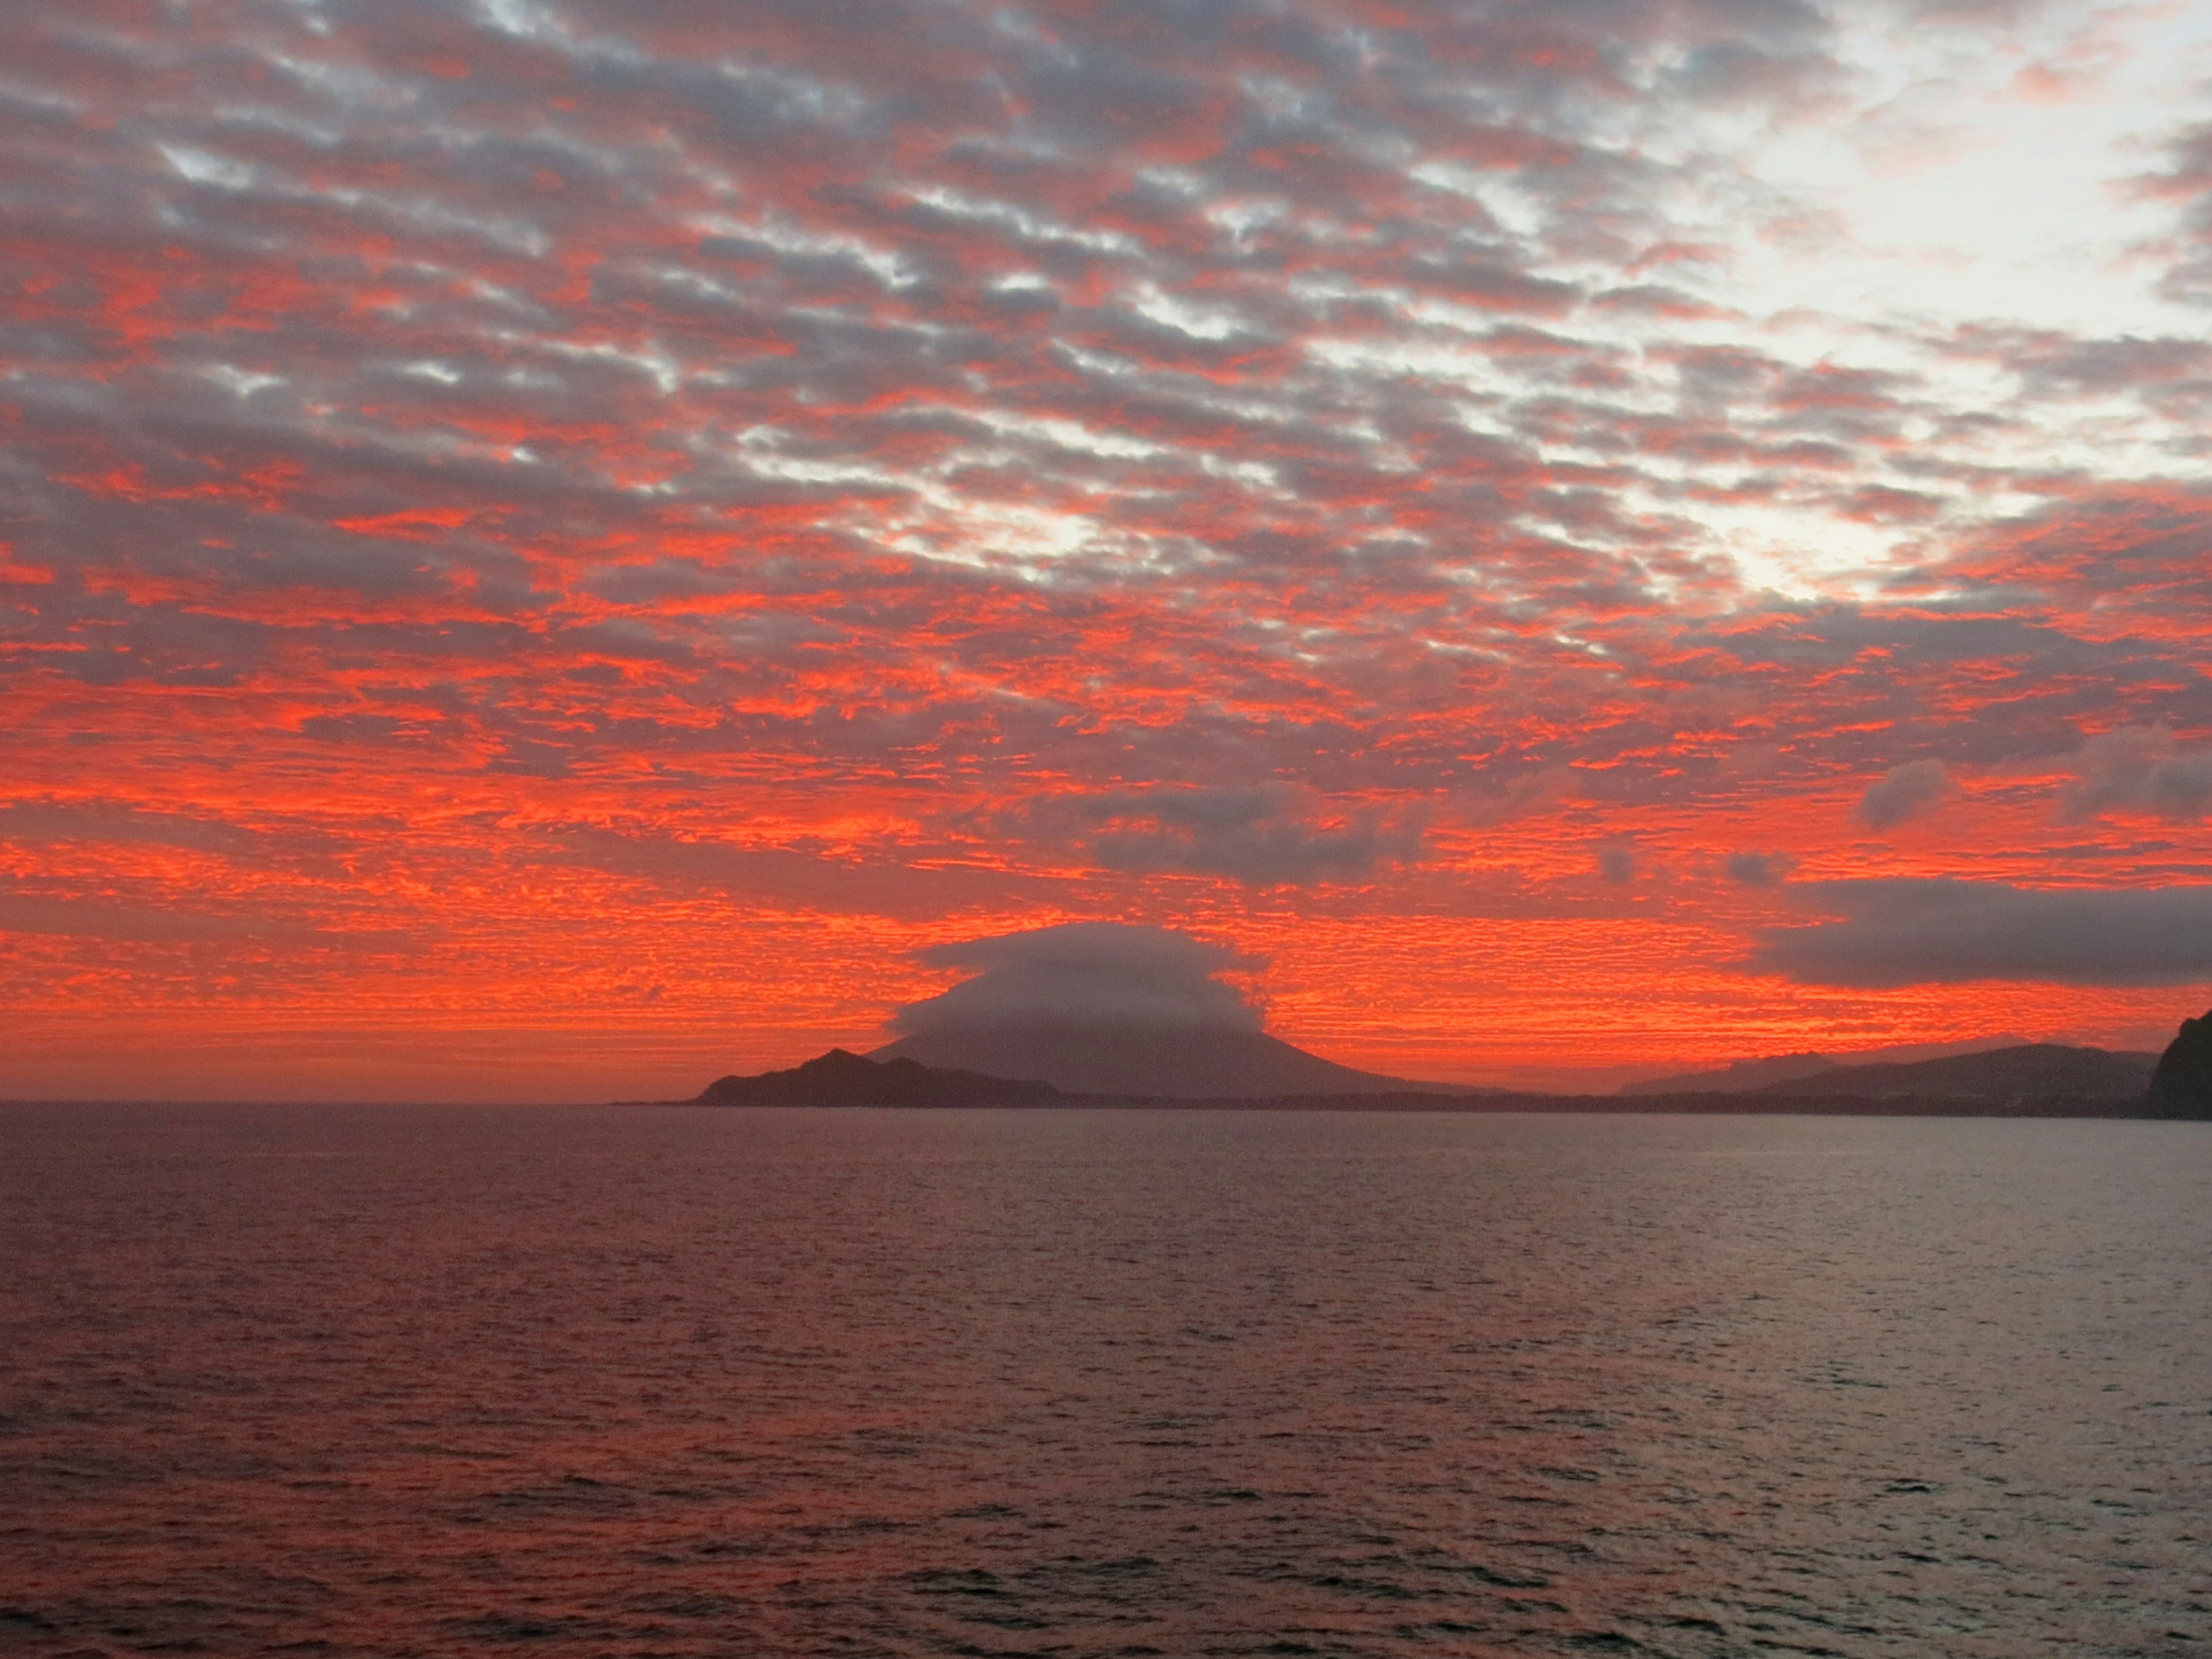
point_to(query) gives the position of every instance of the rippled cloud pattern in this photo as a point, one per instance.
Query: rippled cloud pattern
(547, 548)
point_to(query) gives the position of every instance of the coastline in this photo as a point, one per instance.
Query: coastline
(2139, 1109)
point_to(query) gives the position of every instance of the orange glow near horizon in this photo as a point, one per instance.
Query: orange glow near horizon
(522, 586)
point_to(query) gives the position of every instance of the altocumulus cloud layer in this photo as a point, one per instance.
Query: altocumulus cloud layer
(577, 535)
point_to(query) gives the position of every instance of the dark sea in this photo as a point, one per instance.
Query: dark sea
(407, 1380)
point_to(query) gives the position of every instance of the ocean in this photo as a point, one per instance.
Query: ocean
(390, 1381)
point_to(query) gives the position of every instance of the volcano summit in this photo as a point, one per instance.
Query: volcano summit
(1096, 1007)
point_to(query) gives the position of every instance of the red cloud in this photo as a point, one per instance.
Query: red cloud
(729, 490)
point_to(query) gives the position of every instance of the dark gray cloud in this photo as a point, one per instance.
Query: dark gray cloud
(2138, 770)
(2185, 183)
(1913, 932)
(1903, 792)
(1090, 972)
(1754, 869)
(1264, 836)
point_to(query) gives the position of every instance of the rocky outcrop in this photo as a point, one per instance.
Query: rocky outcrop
(2184, 1075)
(842, 1078)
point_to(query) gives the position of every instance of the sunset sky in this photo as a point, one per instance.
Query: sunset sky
(556, 549)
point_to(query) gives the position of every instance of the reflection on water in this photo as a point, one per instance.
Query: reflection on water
(398, 1381)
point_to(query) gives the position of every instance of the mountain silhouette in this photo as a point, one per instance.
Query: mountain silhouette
(1740, 1077)
(1170, 1062)
(2030, 1070)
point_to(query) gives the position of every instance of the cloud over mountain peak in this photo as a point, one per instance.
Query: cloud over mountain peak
(1098, 973)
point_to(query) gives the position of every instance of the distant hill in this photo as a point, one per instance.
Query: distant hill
(842, 1078)
(2039, 1080)
(2032, 1070)
(1740, 1077)
(2028, 1080)
(1165, 1062)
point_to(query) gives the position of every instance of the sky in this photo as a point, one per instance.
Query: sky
(557, 549)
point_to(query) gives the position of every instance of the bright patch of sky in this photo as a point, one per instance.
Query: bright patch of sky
(1955, 188)
(1965, 186)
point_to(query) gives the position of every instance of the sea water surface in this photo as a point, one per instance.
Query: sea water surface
(386, 1381)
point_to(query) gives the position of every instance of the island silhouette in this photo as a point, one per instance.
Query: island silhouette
(1101, 1014)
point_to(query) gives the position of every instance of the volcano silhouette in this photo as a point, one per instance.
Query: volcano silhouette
(1110, 1008)
(1102, 1058)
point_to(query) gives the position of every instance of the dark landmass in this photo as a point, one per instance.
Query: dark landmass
(1737, 1078)
(1176, 1063)
(2183, 1077)
(2032, 1070)
(842, 1078)
(1721, 1105)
